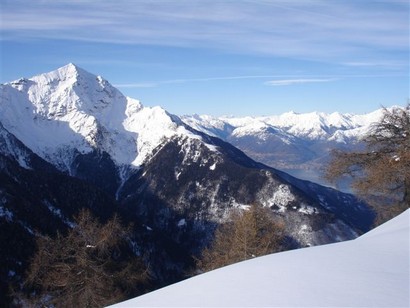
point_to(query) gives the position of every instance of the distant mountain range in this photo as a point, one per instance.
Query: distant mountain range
(296, 143)
(69, 139)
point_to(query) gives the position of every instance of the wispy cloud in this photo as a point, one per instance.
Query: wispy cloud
(285, 80)
(187, 80)
(393, 64)
(288, 82)
(319, 30)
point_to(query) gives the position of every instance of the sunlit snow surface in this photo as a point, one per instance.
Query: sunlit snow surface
(371, 271)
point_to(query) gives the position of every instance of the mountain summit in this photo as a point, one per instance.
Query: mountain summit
(84, 112)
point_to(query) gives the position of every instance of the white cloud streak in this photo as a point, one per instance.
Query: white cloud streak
(285, 80)
(174, 81)
(288, 82)
(337, 30)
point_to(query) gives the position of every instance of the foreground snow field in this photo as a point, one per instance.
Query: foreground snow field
(371, 271)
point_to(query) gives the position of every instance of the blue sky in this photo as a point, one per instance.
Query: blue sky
(232, 57)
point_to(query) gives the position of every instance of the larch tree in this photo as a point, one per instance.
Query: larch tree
(381, 172)
(248, 233)
(86, 267)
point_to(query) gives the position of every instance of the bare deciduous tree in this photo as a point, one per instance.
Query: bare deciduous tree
(381, 173)
(248, 234)
(86, 267)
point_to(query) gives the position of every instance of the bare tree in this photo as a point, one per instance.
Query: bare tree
(86, 267)
(248, 234)
(381, 173)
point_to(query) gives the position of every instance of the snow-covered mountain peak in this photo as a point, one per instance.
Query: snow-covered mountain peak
(70, 88)
(84, 112)
(255, 127)
(69, 71)
(64, 77)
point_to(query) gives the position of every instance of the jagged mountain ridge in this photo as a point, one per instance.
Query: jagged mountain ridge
(313, 126)
(176, 181)
(292, 142)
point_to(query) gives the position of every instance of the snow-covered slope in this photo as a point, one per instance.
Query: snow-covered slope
(70, 109)
(371, 271)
